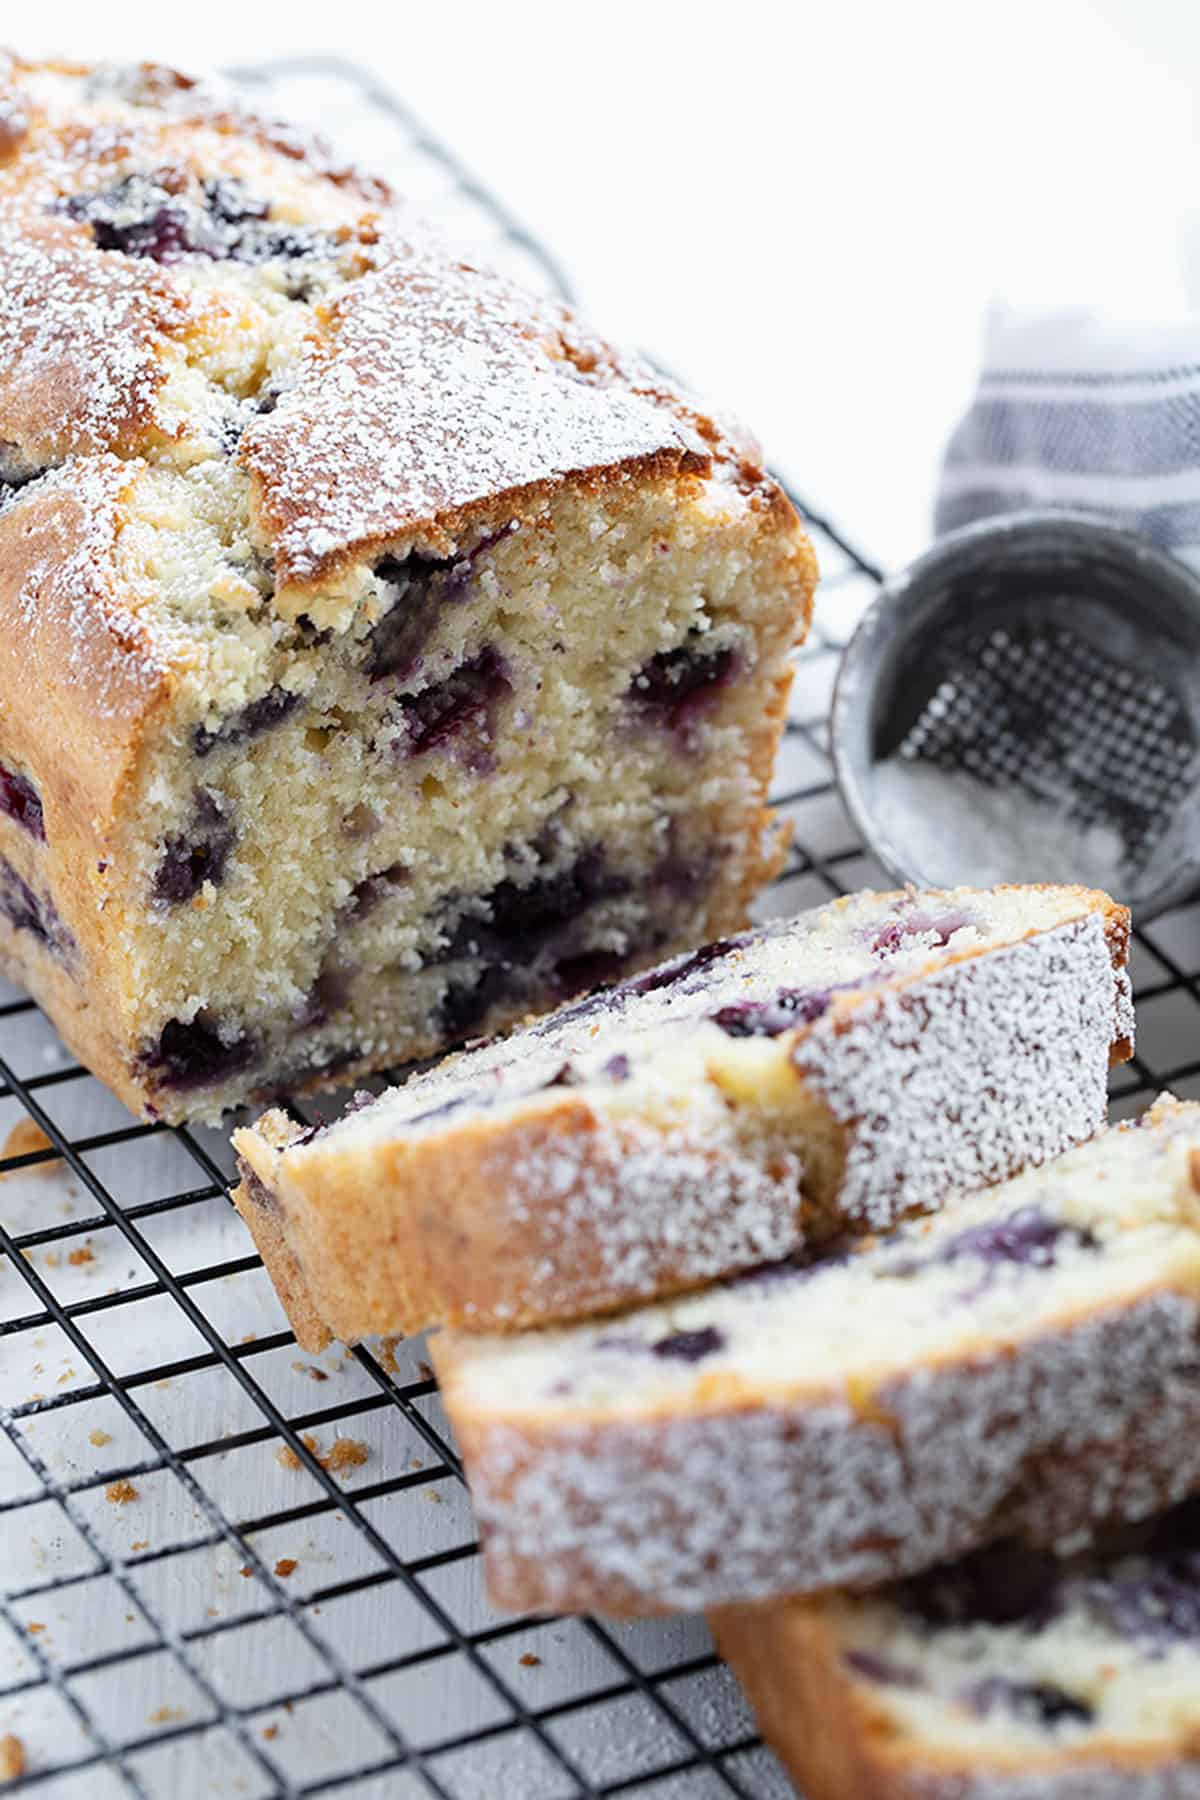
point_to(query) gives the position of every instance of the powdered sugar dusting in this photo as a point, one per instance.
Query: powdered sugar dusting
(1095, 1420)
(931, 1078)
(635, 1203)
(434, 387)
(79, 346)
(75, 623)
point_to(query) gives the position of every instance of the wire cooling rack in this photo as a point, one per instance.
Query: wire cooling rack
(227, 1569)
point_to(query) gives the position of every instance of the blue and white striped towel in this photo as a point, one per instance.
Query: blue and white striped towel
(1077, 411)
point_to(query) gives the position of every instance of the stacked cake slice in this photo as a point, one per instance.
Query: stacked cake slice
(1022, 1364)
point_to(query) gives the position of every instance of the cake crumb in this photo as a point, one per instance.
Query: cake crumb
(85, 1254)
(246, 1571)
(99, 1438)
(23, 1140)
(425, 1371)
(387, 1355)
(310, 1370)
(285, 1566)
(529, 1660)
(34, 1626)
(343, 1453)
(167, 1715)
(120, 1493)
(270, 1731)
(12, 1757)
(141, 1544)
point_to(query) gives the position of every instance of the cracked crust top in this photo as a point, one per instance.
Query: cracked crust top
(414, 396)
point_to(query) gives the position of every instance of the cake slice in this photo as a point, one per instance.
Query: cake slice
(1011, 1675)
(383, 656)
(833, 1071)
(1024, 1363)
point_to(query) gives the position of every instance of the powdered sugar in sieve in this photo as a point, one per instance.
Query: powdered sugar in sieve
(1023, 704)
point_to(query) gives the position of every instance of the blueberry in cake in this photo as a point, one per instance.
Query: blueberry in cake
(1023, 1364)
(1013, 1674)
(834, 1071)
(382, 656)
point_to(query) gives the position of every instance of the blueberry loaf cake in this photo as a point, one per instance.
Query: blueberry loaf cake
(1011, 1675)
(382, 656)
(1023, 1363)
(834, 1071)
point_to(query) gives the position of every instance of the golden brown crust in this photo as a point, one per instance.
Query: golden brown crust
(809, 1710)
(417, 1230)
(170, 100)
(101, 682)
(68, 635)
(387, 433)
(839, 1743)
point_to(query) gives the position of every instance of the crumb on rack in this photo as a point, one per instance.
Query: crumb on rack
(529, 1661)
(343, 1453)
(34, 1626)
(99, 1438)
(166, 1715)
(425, 1371)
(12, 1757)
(270, 1731)
(120, 1493)
(25, 1139)
(84, 1254)
(285, 1566)
(310, 1370)
(387, 1355)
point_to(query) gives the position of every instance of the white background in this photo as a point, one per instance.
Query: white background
(804, 209)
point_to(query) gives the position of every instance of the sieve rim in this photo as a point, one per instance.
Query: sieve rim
(870, 652)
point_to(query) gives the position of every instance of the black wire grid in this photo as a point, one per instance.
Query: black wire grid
(197, 1598)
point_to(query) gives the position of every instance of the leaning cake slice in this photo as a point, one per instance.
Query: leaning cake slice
(834, 1071)
(1011, 1675)
(1023, 1363)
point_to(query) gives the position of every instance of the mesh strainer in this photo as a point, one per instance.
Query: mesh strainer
(1023, 703)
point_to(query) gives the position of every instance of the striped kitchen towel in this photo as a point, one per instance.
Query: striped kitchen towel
(1089, 414)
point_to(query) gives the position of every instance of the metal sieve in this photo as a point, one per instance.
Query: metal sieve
(1022, 703)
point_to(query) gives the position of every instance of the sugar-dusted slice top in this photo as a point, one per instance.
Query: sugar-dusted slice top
(1094, 1229)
